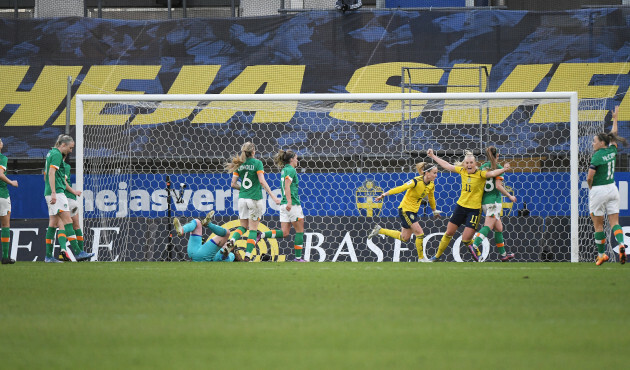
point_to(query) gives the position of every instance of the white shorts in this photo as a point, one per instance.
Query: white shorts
(5, 206)
(604, 199)
(60, 205)
(492, 209)
(249, 209)
(73, 205)
(290, 216)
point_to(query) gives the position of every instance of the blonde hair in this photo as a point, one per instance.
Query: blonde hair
(283, 157)
(63, 139)
(467, 154)
(247, 151)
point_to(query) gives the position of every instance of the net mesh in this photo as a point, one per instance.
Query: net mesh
(146, 162)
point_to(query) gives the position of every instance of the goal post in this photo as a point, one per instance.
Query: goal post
(118, 134)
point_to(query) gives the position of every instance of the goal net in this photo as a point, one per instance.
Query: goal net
(143, 159)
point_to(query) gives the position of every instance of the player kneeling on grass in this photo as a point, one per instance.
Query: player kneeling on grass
(211, 251)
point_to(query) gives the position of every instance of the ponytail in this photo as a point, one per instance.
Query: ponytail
(247, 151)
(283, 157)
(608, 137)
(491, 153)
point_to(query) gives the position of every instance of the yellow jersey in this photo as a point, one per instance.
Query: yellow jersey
(472, 187)
(416, 191)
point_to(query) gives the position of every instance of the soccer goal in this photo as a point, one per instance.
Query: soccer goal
(143, 159)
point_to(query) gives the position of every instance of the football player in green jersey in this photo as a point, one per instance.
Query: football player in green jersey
(492, 203)
(291, 213)
(5, 209)
(603, 194)
(468, 208)
(251, 205)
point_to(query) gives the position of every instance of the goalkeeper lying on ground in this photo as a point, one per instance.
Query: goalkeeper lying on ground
(212, 250)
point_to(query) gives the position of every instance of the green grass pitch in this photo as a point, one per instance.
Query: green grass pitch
(313, 315)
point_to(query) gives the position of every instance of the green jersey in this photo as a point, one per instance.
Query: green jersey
(288, 172)
(250, 186)
(4, 192)
(66, 169)
(54, 159)
(490, 193)
(603, 162)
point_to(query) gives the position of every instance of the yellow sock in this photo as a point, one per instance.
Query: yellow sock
(391, 233)
(443, 244)
(419, 241)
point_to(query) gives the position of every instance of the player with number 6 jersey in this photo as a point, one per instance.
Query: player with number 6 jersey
(603, 195)
(468, 208)
(251, 205)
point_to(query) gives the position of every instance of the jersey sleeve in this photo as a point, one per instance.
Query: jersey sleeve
(55, 160)
(289, 174)
(3, 162)
(431, 197)
(483, 174)
(596, 160)
(406, 186)
(258, 167)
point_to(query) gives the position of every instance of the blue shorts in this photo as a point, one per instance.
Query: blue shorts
(407, 218)
(206, 252)
(468, 216)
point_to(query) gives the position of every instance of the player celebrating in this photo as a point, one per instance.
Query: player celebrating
(251, 205)
(468, 208)
(72, 195)
(491, 204)
(54, 187)
(5, 209)
(416, 190)
(291, 213)
(603, 194)
(211, 251)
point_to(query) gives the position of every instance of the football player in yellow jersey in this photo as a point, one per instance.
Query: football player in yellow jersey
(468, 208)
(416, 189)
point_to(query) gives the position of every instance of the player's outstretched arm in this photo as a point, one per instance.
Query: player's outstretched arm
(444, 164)
(498, 171)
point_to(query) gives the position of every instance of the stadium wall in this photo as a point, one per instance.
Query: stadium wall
(321, 51)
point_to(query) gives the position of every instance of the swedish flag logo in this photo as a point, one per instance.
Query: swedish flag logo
(365, 195)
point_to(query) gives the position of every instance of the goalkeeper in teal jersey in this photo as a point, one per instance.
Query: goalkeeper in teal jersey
(603, 195)
(214, 250)
(491, 204)
(5, 209)
(291, 213)
(251, 205)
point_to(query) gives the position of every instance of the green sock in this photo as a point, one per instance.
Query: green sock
(50, 238)
(79, 235)
(61, 235)
(600, 242)
(299, 244)
(618, 233)
(274, 234)
(483, 233)
(251, 241)
(72, 238)
(238, 233)
(5, 236)
(498, 238)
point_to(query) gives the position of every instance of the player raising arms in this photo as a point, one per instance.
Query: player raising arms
(211, 251)
(5, 209)
(416, 190)
(251, 205)
(290, 207)
(468, 208)
(603, 194)
(492, 203)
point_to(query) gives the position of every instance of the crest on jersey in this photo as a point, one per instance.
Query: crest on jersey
(365, 195)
